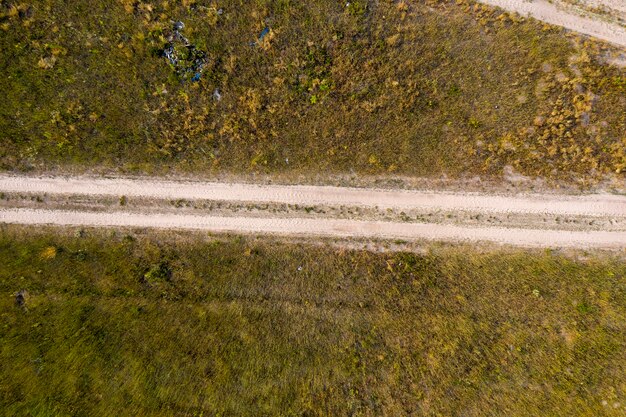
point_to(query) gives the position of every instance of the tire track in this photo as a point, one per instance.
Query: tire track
(587, 205)
(323, 227)
(605, 208)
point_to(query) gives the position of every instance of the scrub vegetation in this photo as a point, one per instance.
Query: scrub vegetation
(103, 323)
(419, 88)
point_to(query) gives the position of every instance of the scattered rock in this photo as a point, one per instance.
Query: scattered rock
(539, 121)
(47, 63)
(512, 176)
(546, 67)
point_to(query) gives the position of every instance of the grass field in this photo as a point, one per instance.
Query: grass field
(418, 88)
(151, 324)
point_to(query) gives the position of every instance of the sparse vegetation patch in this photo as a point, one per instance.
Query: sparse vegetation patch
(418, 88)
(97, 323)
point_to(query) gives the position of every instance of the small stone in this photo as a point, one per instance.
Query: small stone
(539, 121)
(47, 63)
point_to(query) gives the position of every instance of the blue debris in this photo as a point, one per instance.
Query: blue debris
(196, 77)
(264, 32)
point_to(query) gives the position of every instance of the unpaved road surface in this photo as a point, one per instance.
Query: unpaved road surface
(43, 195)
(323, 227)
(607, 26)
(593, 205)
(614, 7)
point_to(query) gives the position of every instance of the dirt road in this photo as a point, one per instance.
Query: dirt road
(606, 26)
(84, 192)
(324, 227)
(593, 205)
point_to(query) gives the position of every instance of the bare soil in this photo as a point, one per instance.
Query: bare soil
(530, 220)
(600, 19)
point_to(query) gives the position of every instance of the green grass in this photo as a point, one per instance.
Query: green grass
(149, 324)
(376, 87)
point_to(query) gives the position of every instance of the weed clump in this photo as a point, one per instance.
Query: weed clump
(158, 273)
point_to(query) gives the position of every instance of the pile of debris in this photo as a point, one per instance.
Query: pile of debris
(185, 58)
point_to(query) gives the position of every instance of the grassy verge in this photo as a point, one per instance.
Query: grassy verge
(417, 88)
(152, 325)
